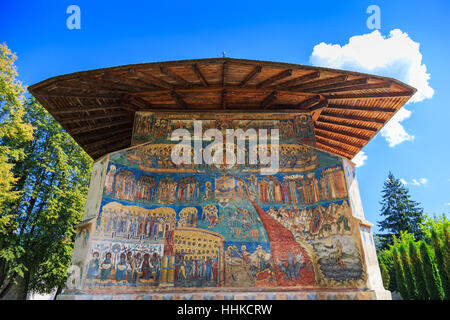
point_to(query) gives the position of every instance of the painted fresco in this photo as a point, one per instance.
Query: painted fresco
(162, 225)
(148, 128)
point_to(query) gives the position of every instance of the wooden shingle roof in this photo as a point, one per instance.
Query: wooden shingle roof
(97, 107)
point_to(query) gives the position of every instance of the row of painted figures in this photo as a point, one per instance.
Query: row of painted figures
(294, 189)
(129, 267)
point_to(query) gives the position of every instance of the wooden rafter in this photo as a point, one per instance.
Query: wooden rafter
(223, 99)
(346, 124)
(200, 75)
(102, 136)
(318, 83)
(178, 100)
(351, 117)
(305, 104)
(175, 77)
(334, 150)
(321, 105)
(328, 136)
(111, 140)
(74, 110)
(380, 85)
(340, 84)
(370, 95)
(133, 86)
(250, 76)
(322, 127)
(281, 75)
(138, 102)
(298, 80)
(224, 73)
(99, 126)
(358, 108)
(343, 147)
(268, 100)
(149, 79)
(93, 118)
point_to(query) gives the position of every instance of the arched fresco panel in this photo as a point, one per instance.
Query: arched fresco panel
(162, 225)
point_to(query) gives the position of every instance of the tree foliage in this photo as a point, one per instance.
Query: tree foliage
(399, 211)
(50, 180)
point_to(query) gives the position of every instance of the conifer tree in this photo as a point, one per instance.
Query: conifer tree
(419, 275)
(447, 254)
(409, 275)
(385, 275)
(400, 275)
(439, 253)
(399, 211)
(432, 278)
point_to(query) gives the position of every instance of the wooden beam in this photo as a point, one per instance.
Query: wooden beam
(106, 76)
(178, 100)
(200, 75)
(351, 117)
(101, 136)
(268, 100)
(327, 136)
(109, 141)
(149, 79)
(341, 84)
(80, 95)
(321, 105)
(224, 73)
(174, 76)
(98, 127)
(250, 76)
(358, 108)
(108, 107)
(381, 85)
(370, 95)
(341, 132)
(138, 102)
(319, 83)
(91, 83)
(223, 99)
(335, 145)
(346, 124)
(305, 104)
(334, 150)
(298, 80)
(92, 118)
(276, 77)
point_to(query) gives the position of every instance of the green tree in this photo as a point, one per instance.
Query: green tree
(399, 211)
(409, 275)
(44, 200)
(439, 253)
(447, 252)
(432, 279)
(400, 275)
(14, 132)
(386, 277)
(419, 274)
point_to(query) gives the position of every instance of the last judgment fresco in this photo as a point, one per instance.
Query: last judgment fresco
(164, 225)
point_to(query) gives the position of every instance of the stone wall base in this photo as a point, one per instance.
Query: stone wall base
(291, 295)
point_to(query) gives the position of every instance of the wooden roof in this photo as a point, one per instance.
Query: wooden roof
(97, 107)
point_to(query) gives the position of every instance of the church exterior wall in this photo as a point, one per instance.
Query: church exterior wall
(151, 226)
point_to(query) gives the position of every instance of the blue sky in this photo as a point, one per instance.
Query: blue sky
(125, 32)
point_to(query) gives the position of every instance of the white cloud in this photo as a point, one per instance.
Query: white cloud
(447, 204)
(359, 159)
(420, 182)
(403, 181)
(396, 56)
